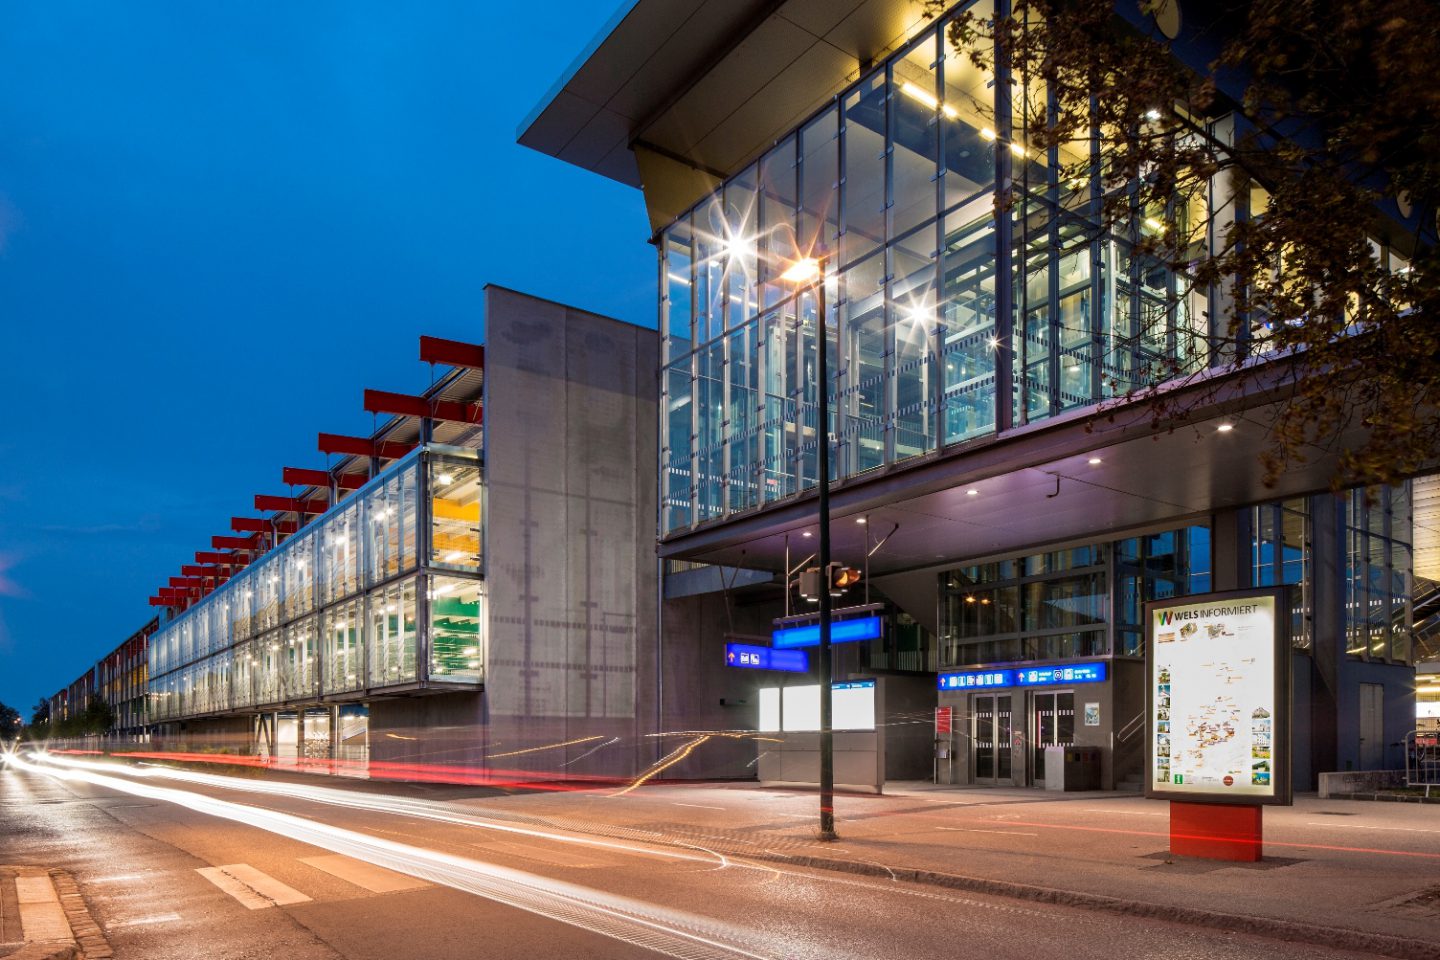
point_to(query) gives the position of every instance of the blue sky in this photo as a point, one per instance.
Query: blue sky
(219, 222)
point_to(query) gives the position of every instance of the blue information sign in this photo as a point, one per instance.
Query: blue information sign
(1070, 673)
(841, 631)
(764, 658)
(1027, 677)
(977, 680)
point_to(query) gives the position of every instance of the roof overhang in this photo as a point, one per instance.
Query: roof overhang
(674, 95)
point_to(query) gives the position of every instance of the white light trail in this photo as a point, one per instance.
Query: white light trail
(391, 806)
(671, 932)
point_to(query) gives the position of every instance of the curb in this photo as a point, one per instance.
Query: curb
(1343, 938)
(88, 935)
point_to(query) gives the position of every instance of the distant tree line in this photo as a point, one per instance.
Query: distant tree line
(98, 717)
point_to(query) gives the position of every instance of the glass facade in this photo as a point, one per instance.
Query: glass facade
(351, 603)
(1080, 602)
(893, 184)
(1378, 571)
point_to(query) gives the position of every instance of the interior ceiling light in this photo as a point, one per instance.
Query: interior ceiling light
(805, 533)
(972, 493)
(987, 133)
(446, 478)
(1225, 427)
(927, 98)
(859, 519)
(1094, 461)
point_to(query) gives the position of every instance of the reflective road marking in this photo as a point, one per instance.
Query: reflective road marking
(254, 889)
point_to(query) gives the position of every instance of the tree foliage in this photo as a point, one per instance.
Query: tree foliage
(1265, 177)
(97, 717)
(9, 721)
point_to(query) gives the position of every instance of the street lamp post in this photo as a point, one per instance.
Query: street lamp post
(812, 270)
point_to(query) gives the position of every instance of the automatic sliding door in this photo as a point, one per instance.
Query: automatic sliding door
(991, 730)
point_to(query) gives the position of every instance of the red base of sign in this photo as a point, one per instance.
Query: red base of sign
(1215, 831)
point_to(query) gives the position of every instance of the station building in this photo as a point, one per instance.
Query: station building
(1008, 534)
(476, 572)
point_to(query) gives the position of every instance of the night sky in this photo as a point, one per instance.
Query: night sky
(219, 223)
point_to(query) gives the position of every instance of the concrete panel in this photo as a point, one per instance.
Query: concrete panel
(570, 466)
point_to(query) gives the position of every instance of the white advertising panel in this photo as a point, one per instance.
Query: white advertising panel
(1218, 699)
(797, 709)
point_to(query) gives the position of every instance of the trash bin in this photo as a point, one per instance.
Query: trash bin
(1072, 768)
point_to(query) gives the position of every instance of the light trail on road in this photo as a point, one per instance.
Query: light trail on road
(673, 933)
(371, 803)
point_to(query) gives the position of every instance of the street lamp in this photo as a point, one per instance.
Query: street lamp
(801, 273)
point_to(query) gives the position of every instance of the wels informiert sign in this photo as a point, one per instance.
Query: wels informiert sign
(1218, 698)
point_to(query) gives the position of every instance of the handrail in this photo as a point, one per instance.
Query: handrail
(1131, 728)
(1422, 760)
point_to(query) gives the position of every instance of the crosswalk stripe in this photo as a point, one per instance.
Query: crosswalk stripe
(254, 889)
(366, 875)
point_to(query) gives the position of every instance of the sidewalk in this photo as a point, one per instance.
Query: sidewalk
(43, 917)
(1346, 874)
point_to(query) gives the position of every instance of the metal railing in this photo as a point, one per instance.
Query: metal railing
(1422, 760)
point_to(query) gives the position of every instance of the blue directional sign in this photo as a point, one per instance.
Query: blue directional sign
(764, 658)
(977, 680)
(1066, 673)
(1027, 677)
(841, 631)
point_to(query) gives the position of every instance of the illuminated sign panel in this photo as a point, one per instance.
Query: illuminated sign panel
(763, 658)
(797, 709)
(977, 680)
(1050, 676)
(1026, 677)
(841, 631)
(1218, 698)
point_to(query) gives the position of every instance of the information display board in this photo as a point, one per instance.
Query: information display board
(1218, 698)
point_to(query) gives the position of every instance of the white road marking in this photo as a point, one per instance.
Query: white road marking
(1130, 813)
(253, 888)
(1363, 826)
(365, 875)
(141, 921)
(701, 806)
(1008, 833)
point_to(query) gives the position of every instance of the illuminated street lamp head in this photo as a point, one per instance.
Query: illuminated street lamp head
(802, 271)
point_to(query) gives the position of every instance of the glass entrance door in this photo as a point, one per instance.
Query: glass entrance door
(990, 729)
(1054, 726)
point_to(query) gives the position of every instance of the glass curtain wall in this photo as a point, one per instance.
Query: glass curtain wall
(337, 609)
(893, 185)
(1062, 605)
(1379, 567)
(1046, 606)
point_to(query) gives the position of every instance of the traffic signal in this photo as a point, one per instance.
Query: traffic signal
(841, 578)
(838, 578)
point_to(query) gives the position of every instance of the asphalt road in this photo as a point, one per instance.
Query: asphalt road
(298, 878)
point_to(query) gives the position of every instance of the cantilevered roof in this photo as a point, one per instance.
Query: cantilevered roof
(708, 83)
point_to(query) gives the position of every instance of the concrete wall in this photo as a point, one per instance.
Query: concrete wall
(570, 453)
(700, 693)
(908, 714)
(441, 729)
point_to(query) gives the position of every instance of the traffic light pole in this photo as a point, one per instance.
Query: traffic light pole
(827, 735)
